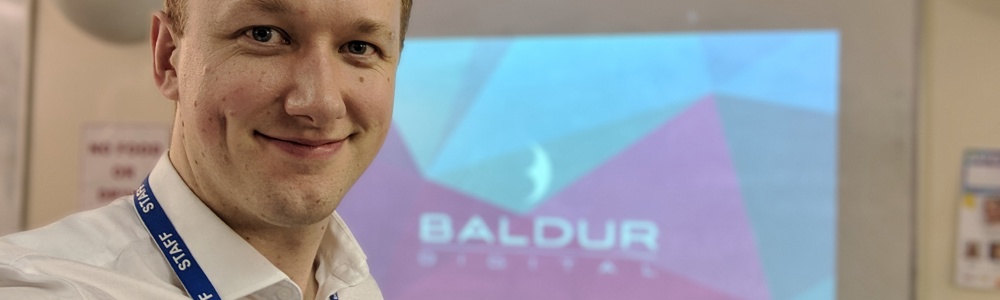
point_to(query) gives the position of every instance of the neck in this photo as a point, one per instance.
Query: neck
(291, 250)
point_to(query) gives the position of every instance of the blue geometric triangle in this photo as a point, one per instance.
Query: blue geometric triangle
(431, 81)
(730, 54)
(802, 73)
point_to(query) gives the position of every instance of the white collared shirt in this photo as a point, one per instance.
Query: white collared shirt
(107, 253)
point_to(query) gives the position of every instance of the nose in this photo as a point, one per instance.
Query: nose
(317, 96)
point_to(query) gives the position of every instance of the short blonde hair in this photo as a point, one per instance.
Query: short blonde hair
(175, 12)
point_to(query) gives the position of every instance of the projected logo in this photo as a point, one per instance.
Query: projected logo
(596, 167)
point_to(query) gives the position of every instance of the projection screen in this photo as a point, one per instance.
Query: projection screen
(647, 150)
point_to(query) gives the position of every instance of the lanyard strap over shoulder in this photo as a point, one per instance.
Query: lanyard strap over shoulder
(174, 250)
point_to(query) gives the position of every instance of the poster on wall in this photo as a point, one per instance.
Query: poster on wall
(978, 249)
(116, 157)
(14, 19)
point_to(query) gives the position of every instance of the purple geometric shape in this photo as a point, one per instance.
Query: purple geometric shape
(682, 177)
(382, 193)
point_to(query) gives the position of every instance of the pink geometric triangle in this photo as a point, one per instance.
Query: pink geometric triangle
(680, 176)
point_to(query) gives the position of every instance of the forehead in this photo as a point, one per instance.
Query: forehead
(373, 14)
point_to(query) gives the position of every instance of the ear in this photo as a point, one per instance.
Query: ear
(164, 49)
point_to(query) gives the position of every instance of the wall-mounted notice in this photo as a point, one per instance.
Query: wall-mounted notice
(978, 248)
(116, 157)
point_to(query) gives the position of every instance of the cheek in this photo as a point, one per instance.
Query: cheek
(238, 98)
(219, 109)
(378, 93)
(380, 110)
(377, 114)
(207, 124)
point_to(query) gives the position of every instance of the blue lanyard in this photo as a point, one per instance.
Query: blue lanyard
(175, 251)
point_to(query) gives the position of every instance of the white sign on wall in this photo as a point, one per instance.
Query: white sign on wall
(116, 157)
(977, 255)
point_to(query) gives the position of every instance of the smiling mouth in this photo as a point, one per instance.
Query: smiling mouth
(303, 148)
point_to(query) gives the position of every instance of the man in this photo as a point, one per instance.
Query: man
(281, 105)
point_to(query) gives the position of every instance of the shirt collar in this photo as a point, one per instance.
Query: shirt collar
(342, 263)
(233, 266)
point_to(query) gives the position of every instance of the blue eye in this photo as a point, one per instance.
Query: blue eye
(262, 34)
(358, 47)
(267, 35)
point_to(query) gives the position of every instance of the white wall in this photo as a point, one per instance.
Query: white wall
(960, 108)
(80, 79)
(15, 22)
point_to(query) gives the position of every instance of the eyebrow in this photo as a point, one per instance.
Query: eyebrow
(369, 26)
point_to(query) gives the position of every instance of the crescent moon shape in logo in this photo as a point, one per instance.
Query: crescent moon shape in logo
(540, 173)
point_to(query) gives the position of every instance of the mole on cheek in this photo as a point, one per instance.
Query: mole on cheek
(361, 79)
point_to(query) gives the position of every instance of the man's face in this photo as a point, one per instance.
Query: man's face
(282, 104)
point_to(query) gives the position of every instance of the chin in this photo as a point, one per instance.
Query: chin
(299, 219)
(300, 211)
